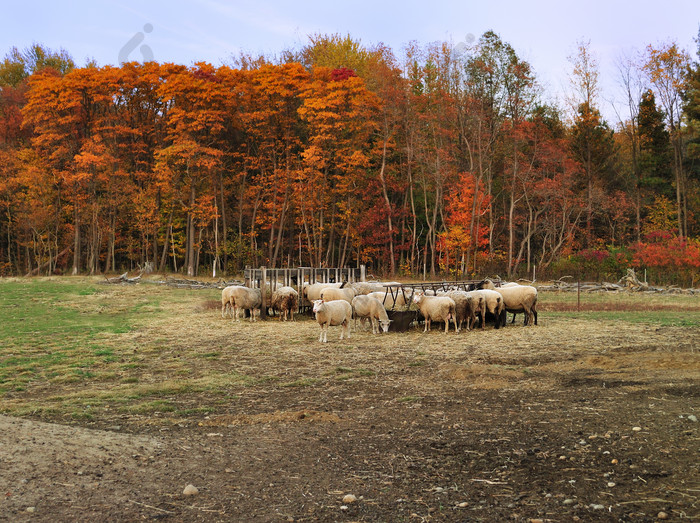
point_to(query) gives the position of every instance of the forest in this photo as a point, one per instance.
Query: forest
(446, 161)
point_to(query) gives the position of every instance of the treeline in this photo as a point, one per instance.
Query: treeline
(446, 161)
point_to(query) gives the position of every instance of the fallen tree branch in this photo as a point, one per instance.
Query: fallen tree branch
(123, 279)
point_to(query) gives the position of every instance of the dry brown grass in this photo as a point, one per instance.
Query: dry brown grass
(182, 356)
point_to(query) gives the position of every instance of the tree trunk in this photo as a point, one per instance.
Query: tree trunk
(224, 227)
(190, 234)
(382, 178)
(76, 240)
(166, 245)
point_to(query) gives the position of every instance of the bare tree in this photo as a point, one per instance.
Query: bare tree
(632, 84)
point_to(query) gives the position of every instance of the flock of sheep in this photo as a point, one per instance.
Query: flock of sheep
(335, 304)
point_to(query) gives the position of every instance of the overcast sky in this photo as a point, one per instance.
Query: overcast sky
(542, 32)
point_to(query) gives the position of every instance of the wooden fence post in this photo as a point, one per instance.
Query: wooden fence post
(578, 295)
(263, 285)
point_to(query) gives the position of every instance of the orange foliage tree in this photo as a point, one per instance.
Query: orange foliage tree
(340, 155)
(467, 196)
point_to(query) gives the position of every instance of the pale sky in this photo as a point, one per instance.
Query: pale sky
(544, 33)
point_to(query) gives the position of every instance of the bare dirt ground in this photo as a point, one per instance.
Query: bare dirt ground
(569, 420)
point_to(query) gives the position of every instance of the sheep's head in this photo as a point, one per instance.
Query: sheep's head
(487, 284)
(385, 325)
(417, 297)
(317, 305)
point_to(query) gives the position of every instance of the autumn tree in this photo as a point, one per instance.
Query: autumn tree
(193, 155)
(691, 109)
(274, 129)
(666, 69)
(28, 226)
(456, 241)
(482, 121)
(519, 87)
(591, 137)
(18, 65)
(630, 78)
(338, 111)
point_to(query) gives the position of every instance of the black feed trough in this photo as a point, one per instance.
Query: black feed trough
(400, 320)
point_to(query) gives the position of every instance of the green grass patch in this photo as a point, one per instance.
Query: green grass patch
(58, 330)
(51, 315)
(669, 310)
(210, 355)
(661, 318)
(149, 407)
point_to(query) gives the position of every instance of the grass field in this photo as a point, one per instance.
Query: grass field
(75, 348)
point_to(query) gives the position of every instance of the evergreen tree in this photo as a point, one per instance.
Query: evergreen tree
(592, 145)
(655, 147)
(691, 110)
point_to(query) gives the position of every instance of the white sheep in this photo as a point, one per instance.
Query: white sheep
(367, 307)
(285, 300)
(333, 293)
(436, 308)
(489, 301)
(389, 300)
(365, 287)
(242, 298)
(516, 299)
(227, 301)
(312, 292)
(464, 308)
(337, 312)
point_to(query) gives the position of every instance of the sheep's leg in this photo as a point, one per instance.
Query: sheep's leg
(447, 325)
(534, 313)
